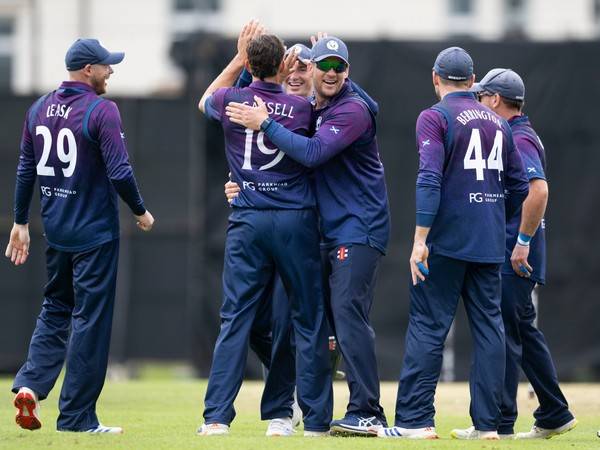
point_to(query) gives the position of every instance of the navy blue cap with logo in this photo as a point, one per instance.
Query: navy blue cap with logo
(330, 47)
(505, 82)
(454, 64)
(303, 52)
(90, 51)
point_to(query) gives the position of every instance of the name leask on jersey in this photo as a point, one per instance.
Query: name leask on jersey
(58, 110)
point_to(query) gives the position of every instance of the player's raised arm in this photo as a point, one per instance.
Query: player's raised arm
(232, 71)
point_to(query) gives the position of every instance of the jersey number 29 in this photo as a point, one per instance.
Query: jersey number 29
(69, 156)
(474, 156)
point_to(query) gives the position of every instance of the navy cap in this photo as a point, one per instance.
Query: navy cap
(89, 51)
(505, 82)
(303, 52)
(330, 46)
(454, 64)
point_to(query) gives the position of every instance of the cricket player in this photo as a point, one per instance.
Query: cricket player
(467, 161)
(272, 328)
(503, 91)
(353, 207)
(74, 143)
(273, 227)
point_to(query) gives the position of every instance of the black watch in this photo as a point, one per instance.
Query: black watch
(265, 124)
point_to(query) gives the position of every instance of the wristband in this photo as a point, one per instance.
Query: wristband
(523, 239)
(265, 124)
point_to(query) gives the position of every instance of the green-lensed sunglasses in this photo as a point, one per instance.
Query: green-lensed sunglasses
(326, 65)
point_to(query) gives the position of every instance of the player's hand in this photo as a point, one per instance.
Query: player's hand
(145, 221)
(518, 260)
(248, 116)
(232, 190)
(418, 262)
(320, 35)
(18, 245)
(288, 65)
(249, 31)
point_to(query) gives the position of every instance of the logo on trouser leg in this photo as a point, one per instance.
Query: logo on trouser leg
(342, 253)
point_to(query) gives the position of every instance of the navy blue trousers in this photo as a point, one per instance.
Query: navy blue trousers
(350, 273)
(260, 242)
(526, 347)
(433, 306)
(74, 325)
(271, 339)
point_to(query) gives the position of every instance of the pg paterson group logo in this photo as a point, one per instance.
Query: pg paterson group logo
(342, 253)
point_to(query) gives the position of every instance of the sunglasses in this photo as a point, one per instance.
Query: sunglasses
(326, 65)
(482, 94)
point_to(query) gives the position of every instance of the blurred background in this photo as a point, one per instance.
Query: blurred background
(169, 286)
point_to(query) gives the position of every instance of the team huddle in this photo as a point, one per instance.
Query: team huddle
(308, 227)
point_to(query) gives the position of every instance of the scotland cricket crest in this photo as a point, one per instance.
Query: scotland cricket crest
(342, 253)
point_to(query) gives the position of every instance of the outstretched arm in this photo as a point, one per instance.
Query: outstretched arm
(231, 72)
(335, 134)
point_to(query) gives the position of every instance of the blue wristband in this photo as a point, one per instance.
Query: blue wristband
(523, 239)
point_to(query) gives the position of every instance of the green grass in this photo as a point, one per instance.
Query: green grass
(164, 414)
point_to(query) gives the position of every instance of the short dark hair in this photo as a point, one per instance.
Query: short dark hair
(265, 54)
(514, 104)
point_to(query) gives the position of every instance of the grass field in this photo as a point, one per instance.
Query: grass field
(164, 414)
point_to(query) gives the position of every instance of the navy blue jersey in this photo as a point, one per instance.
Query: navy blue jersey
(532, 152)
(268, 179)
(470, 150)
(74, 143)
(349, 175)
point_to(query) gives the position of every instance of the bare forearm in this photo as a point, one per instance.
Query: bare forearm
(421, 233)
(226, 78)
(534, 207)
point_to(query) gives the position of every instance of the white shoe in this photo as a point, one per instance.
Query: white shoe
(471, 434)
(308, 433)
(407, 433)
(28, 409)
(108, 430)
(213, 429)
(547, 433)
(280, 427)
(296, 413)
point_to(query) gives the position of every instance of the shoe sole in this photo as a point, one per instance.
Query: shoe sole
(26, 417)
(454, 435)
(411, 438)
(340, 430)
(566, 430)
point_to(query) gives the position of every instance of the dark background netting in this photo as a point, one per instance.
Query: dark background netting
(169, 288)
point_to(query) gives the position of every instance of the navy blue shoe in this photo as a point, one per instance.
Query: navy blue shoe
(356, 426)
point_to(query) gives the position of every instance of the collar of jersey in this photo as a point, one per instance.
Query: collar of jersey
(463, 94)
(76, 85)
(266, 86)
(516, 120)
